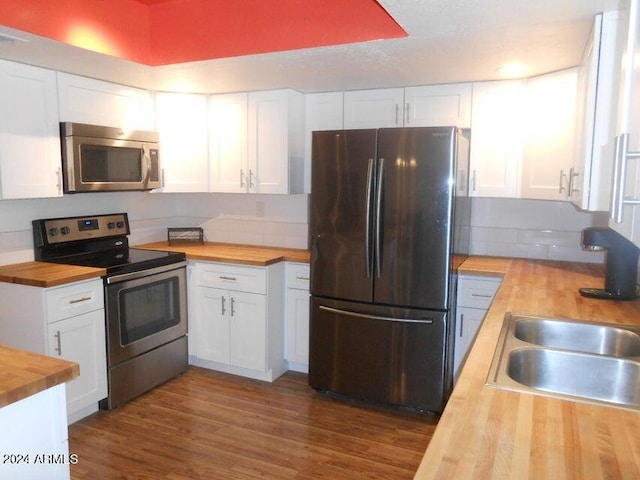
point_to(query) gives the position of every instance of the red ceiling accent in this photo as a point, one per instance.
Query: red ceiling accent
(160, 32)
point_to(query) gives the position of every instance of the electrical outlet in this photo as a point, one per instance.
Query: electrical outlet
(259, 209)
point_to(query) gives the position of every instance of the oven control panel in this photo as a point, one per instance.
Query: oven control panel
(61, 230)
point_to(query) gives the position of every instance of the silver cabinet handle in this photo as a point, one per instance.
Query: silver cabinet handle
(622, 154)
(241, 178)
(224, 277)
(562, 177)
(79, 300)
(407, 112)
(300, 277)
(482, 295)
(572, 181)
(473, 181)
(59, 176)
(59, 343)
(461, 323)
(251, 177)
(233, 311)
(397, 111)
(162, 183)
(223, 309)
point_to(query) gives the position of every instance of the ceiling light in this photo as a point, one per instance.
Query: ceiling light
(513, 70)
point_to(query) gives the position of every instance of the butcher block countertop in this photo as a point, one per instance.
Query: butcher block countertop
(42, 274)
(487, 433)
(234, 253)
(23, 374)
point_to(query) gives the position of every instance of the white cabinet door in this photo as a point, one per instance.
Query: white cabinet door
(228, 143)
(211, 324)
(81, 339)
(182, 125)
(438, 105)
(95, 102)
(374, 108)
(30, 163)
(496, 138)
(549, 128)
(468, 321)
(276, 141)
(323, 111)
(598, 90)
(248, 330)
(297, 326)
(625, 214)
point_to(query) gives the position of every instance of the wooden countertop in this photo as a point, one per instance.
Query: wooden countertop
(42, 274)
(487, 433)
(234, 253)
(23, 374)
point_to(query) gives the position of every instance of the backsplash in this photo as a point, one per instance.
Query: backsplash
(541, 229)
(499, 227)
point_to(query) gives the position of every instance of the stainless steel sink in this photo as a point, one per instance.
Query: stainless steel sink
(603, 339)
(581, 361)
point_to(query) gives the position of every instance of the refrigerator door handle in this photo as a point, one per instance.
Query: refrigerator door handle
(377, 240)
(367, 243)
(373, 317)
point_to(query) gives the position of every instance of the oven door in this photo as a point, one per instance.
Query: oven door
(144, 310)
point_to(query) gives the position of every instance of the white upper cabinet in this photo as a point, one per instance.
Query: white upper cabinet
(275, 142)
(496, 138)
(374, 108)
(323, 111)
(597, 103)
(438, 105)
(228, 143)
(85, 100)
(625, 208)
(549, 126)
(29, 132)
(182, 125)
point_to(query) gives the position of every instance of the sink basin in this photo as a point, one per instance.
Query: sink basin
(596, 377)
(581, 361)
(577, 336)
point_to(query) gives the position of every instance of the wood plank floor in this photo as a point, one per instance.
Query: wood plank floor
(209, 425)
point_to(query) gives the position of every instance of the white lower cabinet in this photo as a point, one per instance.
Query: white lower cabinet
(66, 322)
(236, 319)
(475, 294)
(297, 317)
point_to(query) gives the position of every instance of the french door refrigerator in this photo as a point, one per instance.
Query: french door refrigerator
(389, 223)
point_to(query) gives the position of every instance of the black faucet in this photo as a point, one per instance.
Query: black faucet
(621, 264)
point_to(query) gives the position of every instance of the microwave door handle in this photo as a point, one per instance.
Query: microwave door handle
(146, 159)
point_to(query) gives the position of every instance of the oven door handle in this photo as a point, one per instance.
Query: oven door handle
(144, 273)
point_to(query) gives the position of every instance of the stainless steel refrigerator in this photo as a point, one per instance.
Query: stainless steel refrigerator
(389, 223)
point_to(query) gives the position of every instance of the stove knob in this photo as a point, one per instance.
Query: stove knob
(65, 230)
(111, 225)
(120, 224)
(53, 232)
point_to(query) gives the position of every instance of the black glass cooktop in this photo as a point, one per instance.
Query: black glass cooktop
(123, 260)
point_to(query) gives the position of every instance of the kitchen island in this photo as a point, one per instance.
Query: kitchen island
(489, 433)
(33, 417)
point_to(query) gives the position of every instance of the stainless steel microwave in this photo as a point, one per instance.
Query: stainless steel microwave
(107, 159)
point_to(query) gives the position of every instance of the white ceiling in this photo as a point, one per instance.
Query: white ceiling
(449, 41)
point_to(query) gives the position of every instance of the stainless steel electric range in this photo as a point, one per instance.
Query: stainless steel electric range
(145, 298)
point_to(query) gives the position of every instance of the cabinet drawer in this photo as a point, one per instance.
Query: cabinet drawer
(298, 276)
(74, 299)
(232, 277)
(476, 292)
